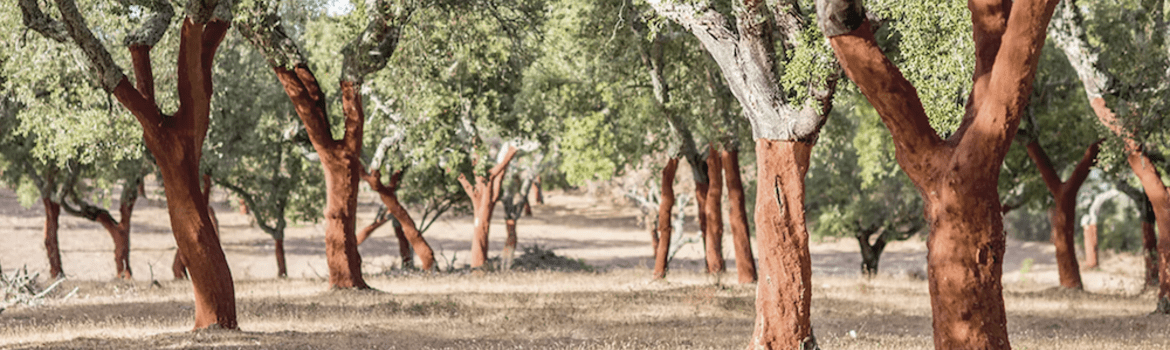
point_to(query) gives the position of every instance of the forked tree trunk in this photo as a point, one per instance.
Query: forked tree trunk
(175, 141)
(713, 210)
(785, 291)
(1090, 234)
(665, 208)
(956, 177)
(1069, 34)
(281, 266)
(404, 223)
(1063, 211)
(484, 194)
(52, 248)
(745, 262)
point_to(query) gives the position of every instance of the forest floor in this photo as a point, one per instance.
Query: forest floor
(613, 306)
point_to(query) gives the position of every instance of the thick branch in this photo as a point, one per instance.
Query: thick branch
(894, 98)
(153, 27)
(262, 26)
(109, 74)
(1081, 172)
(1044, 165)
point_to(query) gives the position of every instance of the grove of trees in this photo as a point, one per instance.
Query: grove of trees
(960, 123)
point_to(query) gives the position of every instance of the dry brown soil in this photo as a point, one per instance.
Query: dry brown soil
(614, 308)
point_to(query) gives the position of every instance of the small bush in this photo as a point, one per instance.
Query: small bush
(537, 258)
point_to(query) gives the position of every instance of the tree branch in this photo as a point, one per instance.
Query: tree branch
(369, 52)
(1044, 165)
(36, 20)
(1081, 172)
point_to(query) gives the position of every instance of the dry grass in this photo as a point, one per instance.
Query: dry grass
(618, 309)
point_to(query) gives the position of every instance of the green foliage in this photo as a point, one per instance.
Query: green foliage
(853, 184)
(589, 149)
(930, 41)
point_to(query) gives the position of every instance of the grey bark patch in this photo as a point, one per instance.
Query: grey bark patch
(837, 17)
(153, 27)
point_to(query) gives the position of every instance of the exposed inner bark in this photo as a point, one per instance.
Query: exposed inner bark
(281, 267)
(1062, 214)
(957, 178)
(745, 262)
(484, 194)
(785, 287)
(713, 210)
(665, 207)
(52, 214)
(403, 222)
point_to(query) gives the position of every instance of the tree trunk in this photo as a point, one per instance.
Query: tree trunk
(281, 267)
(405, 224)
(536, 186)
(404, 250)
(52, 215)
(484, 194)
(1150, 251)
(745, 262)
(713, 210)
(1062, 214)
(509, 246)
(871, 254)
(956, 177)
(785, 288)
(1090, 232)
(121, 245)
(665, 208)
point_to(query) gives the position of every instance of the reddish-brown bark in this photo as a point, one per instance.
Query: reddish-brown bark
(339, 160)
(1063, 211)
(52, 215)
(958, 177)
(713, 210)
(1090, 232)
(484, 194)
(404, 249)
(366, 232)
(665, 207)
(178, 267)
(1150, 251)
(281, 266)
(785, 287)
(745, 262)
(409, 231)
(176, 143)
(1155, 190)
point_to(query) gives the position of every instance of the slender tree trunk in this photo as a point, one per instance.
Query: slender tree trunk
(745, 262)
(1090, 232)
(1150, 251)
(404, 250)
(121, 245)
(281, 266)
(52, 216)
(665, 208)
(713, 209)
(509, 246)
(784, 292)
(484, 194)
(536, 187)
(410, 233)
(871, 254)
